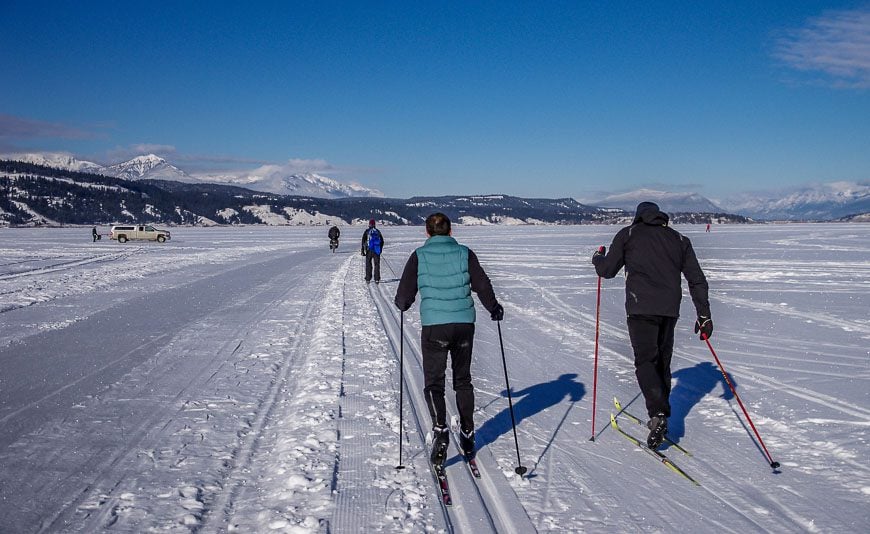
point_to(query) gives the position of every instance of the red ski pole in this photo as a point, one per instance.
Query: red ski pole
(774, 465)
(595, 367)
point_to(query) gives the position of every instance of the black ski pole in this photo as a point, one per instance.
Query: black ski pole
(520, 470)
(401, 381)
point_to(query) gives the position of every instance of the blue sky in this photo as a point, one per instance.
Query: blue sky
(548, 99)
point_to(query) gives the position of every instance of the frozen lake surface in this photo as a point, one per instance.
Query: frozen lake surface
(247, 380)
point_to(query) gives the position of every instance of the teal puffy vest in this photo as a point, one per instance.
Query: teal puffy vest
(444, 282)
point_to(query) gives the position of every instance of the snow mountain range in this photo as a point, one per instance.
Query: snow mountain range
(35, 195)
(834, 200)
(830, 201)
(821, 202)
(272, 179)
(267, 178)
(56, 160)
(668, 202)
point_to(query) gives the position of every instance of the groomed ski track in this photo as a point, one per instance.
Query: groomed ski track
(258, 390)
(487, 504)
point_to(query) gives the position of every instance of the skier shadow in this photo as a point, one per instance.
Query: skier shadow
(693, 384)
(532, 400)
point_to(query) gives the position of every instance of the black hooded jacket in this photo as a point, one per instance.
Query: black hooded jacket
(654, 256)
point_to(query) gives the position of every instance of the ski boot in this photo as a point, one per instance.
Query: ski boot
(466, 443)
(658, 427)
(440, 441)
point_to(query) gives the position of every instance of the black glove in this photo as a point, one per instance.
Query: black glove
(497, 313)
(362, 252)
(704, 325)
(600, 252)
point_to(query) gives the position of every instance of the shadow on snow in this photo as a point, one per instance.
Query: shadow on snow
(528, 402)
(693, 384)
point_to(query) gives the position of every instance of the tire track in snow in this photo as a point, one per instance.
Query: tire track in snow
(67, 265)
(110, 498)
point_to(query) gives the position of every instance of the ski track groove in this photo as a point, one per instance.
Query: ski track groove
(66, 265)
(491, 497)
(588, 319)
(734, 369)
(368, 486)
(148, 429)
(414, 407)
(604, 500)
(236, 476)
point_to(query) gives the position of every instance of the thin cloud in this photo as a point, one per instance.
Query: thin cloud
(12, 127)
(309, 165)
(835, 47)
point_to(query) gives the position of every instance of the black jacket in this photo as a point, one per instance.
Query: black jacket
(334, 232)
(654, 256)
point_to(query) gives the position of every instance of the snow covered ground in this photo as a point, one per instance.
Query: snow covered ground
(247, 380)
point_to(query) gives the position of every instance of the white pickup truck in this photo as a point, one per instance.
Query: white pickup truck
(123, 233)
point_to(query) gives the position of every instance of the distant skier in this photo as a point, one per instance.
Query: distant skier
(95, 234)
(445, 273)
(334, 234)
(708, 227)
(372, 246)
(654, 256)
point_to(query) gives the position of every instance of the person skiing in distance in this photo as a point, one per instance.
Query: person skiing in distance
(445, 273)
(655, 256)
(95, 234)
(372, 246)
(334, 234)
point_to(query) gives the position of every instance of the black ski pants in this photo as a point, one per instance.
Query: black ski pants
(372, 258)
(437, 341)
(652, 338)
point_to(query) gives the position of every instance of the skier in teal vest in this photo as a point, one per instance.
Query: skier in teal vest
(445, 273)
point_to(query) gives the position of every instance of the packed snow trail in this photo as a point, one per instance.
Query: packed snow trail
(487, 504)
(368, 485)
(264, 394)
(172, 410)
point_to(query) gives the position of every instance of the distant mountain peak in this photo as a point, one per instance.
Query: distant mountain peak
(56, 160)
(276, 179)
(826, 201)
(149, 159)
(149, 166)
(668, 201)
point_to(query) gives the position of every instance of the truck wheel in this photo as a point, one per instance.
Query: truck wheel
(161, 239)
(122, 239)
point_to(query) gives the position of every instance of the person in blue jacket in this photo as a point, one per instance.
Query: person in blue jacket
(372, 246)
(445, 273)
